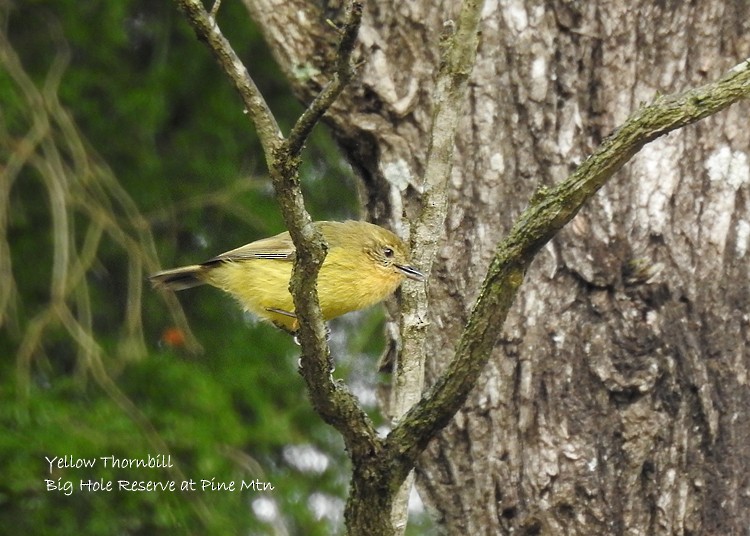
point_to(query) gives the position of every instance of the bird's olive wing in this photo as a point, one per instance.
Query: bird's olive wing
(278, 247)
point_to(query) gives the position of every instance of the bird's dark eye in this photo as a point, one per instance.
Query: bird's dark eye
(388, 252)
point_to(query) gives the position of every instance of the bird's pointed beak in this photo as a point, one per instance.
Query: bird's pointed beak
(411, 272)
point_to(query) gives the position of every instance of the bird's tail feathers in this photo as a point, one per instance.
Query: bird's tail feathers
(179, 278)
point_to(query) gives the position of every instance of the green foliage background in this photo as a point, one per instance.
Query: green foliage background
(150, 112)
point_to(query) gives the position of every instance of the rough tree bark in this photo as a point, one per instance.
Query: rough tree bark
(616, 401)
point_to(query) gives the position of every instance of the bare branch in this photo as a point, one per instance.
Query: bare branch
(549, 211)
(459, 48)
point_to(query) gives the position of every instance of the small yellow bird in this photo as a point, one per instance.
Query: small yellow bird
(365, 264)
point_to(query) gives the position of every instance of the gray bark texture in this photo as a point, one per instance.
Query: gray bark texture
(617, 400)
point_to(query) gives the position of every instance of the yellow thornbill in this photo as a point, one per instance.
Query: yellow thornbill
(365, 264)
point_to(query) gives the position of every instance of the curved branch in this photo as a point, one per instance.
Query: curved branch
(548, 212)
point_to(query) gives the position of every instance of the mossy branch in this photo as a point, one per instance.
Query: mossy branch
(548, 212)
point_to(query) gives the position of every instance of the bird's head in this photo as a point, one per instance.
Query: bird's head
(389, 253)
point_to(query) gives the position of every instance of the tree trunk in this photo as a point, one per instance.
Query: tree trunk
(616, 403)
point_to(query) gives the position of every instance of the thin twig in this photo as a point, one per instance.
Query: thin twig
(345, 71)
(215, 9)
